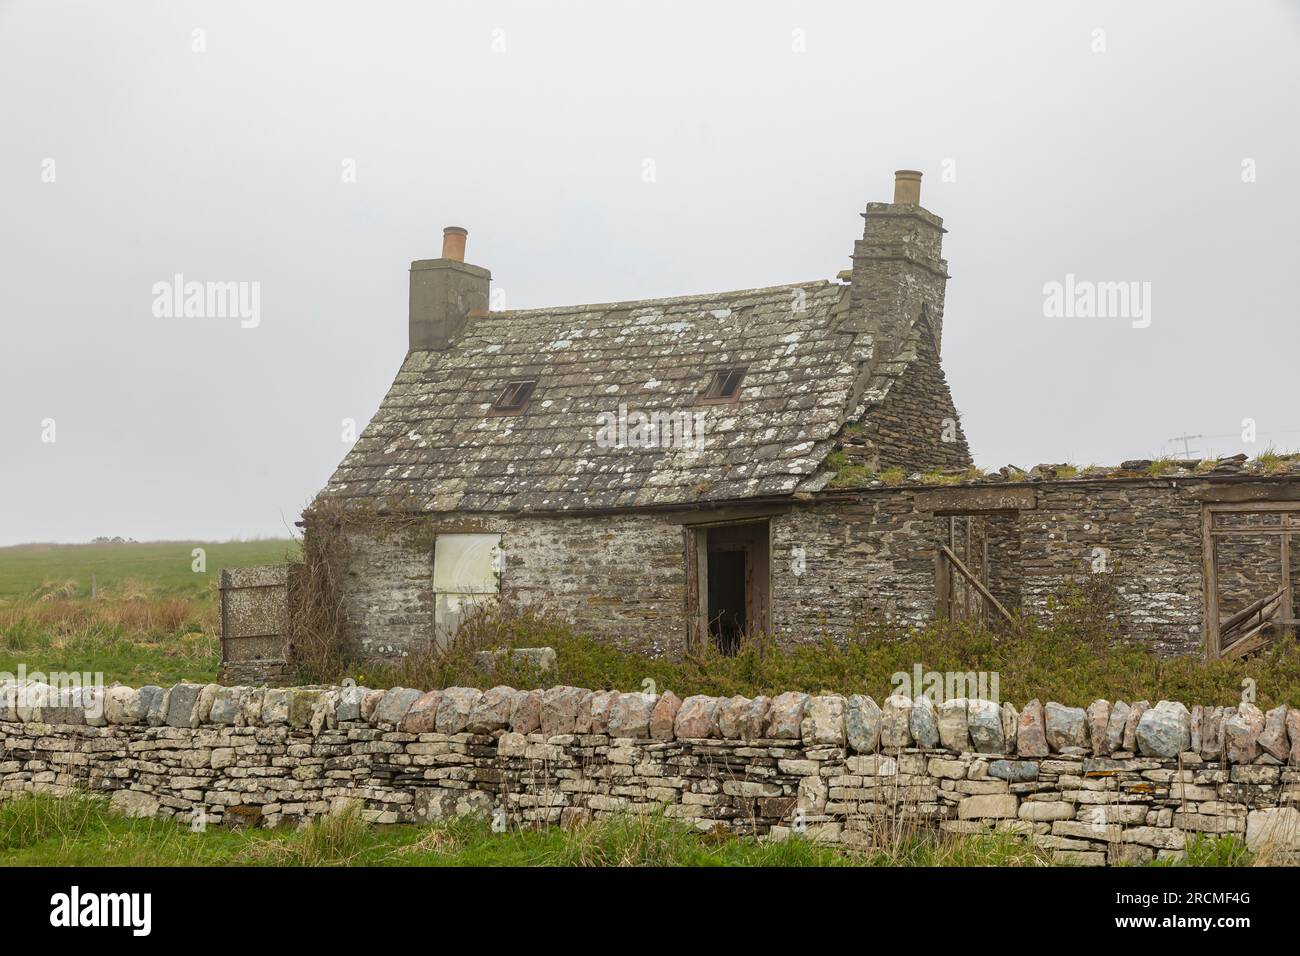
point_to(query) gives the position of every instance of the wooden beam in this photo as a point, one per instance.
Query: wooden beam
(731, 515)
(1209, 585)
(1251, 532)
(1254, 607)
(1288, 597)
(697, 630)
(977, 584)
(966, 500)
(1256, 640)
(942, 587)
(1283, 492)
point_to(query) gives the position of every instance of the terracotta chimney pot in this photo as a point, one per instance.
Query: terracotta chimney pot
(453, 242)
(907, 187)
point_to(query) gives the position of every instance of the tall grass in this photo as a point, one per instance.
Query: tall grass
(32, 818)
(144, 616)
(1081, 655)
(334, 840)
(1227, 850)
(135, 641)
(153, 618)
(37, 829)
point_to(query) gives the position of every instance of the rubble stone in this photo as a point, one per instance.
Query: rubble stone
(862, 724)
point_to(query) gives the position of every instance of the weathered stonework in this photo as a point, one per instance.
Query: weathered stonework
(864, 553)
(872, 553)
(915, 426)
(313, 751)
(617, 577)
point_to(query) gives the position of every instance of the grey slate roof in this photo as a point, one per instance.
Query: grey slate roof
(433, 446)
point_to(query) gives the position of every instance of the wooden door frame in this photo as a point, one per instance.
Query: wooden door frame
(1209, 565)
(758, 586)
(944, 577)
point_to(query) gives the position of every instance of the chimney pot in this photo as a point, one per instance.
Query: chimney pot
(453, 242)
(907, 187)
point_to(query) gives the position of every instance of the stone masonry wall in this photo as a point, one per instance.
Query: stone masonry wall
(1149, 534)
(872, 552)
(870, 557)
(621, 578)
(917, 427)
(866, 552)
(1110, 784)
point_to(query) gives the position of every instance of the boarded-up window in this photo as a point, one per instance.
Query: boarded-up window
(466, 575)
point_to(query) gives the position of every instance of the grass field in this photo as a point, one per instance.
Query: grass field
(42, 830)
(144, 569)
(153, 618)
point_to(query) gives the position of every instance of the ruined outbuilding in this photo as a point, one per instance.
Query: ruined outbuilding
(785, 460)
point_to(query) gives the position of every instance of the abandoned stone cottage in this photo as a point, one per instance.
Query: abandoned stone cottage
(785, 460)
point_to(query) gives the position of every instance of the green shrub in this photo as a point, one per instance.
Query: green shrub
(1083, 653)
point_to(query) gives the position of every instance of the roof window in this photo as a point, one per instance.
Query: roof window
(514, 397)
(723, 387)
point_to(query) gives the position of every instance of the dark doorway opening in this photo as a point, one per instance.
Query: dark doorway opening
(728, 582)
(727, 611)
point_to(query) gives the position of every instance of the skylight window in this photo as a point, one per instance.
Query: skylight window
(514, 397)
(723, 387)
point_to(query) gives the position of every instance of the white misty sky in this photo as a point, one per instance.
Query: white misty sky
(225, 165)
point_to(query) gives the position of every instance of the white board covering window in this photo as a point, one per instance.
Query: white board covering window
(466, 575)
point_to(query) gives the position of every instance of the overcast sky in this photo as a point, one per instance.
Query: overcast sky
(317, 148)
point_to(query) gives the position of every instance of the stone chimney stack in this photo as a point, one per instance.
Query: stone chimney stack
(445, 294)
(898, 268)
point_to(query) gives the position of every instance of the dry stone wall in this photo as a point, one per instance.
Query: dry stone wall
(1150, 531)
(1110, 783)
